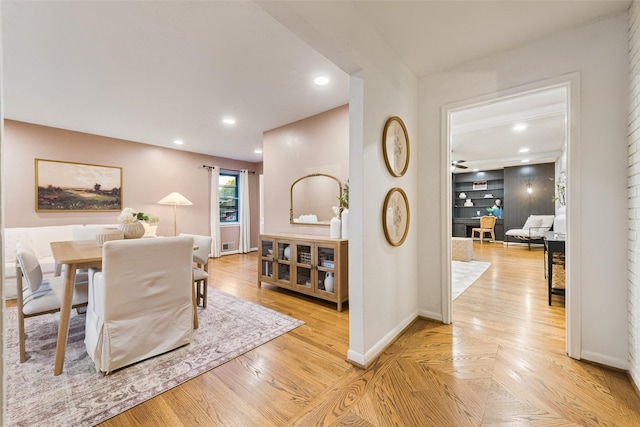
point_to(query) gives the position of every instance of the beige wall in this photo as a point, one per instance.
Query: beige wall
(317, 144)
(149, 174)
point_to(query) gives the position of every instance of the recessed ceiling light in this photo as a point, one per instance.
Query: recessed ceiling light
(476, 170)
(520, 127)
(257, 151)
(229, 121)
(524, 150)
(178, 142)
(525, 161)
(321, 80)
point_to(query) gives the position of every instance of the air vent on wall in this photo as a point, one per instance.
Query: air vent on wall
(229, 246)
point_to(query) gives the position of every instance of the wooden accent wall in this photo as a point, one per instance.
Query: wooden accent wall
(518, 203)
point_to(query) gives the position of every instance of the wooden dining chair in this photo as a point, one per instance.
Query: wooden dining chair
(201, 266)
(487, 225)
(38, 296)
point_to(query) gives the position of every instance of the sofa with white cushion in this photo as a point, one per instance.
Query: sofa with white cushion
(39, 239)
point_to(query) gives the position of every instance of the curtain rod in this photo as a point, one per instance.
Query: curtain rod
(224, 169)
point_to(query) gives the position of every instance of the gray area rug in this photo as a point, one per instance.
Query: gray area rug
(463, 274)
(80, 396)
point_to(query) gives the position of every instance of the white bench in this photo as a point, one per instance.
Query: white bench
(461, 248)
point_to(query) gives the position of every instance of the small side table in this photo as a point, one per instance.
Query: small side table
(553, 243)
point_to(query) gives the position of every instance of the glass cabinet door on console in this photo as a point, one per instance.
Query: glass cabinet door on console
(283, 265)
(326, 268)
(304, 268)
(266, 259)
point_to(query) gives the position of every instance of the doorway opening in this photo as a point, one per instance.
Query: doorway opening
(510, 131)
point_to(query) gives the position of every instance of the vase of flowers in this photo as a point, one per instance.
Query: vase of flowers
(131, 225)
(344, 214)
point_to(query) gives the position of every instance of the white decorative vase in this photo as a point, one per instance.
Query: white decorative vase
(132, 230)
(560, 221)
(345, 223)
(107, 234)
(334, 228)
(328, 282)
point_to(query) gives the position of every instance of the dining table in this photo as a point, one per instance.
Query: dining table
(80, 254)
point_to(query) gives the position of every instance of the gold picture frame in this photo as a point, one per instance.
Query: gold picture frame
(395, 146)
(396, 216)
(77, 187)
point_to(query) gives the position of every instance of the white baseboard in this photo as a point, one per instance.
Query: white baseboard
(380, 346)
(603, 359)
(431, 315)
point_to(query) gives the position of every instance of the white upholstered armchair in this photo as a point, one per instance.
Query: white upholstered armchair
(140, 302)
(532, 230)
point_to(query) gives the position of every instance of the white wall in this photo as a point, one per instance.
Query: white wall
(634, 193)
(597, 247)
(382, 278)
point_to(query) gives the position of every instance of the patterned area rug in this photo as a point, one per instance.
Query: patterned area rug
(463, 274)
(80, 396)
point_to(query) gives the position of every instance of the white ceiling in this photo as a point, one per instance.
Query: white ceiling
(155, 71)
(486, 137)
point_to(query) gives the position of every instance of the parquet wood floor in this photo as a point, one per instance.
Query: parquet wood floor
(502, 362)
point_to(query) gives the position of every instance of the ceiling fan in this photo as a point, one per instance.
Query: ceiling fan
(458, 164)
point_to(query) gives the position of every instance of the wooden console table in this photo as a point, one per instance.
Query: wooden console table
(311, 265)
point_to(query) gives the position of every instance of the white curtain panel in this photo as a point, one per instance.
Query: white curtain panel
(245, 229)
(215, 213)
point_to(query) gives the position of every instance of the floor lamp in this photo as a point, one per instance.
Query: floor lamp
(175, 199)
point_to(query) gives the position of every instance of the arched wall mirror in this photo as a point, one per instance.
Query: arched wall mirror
(312, 199)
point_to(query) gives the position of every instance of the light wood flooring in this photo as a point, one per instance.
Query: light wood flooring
(502, 362)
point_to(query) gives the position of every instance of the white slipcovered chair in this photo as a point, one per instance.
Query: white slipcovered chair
(532, 230)
(37, 296)
(201, 269)
(140, 302)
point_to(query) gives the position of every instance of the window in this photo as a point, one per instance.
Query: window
(228, 195)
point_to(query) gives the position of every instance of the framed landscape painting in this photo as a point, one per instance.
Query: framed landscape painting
(77, 187)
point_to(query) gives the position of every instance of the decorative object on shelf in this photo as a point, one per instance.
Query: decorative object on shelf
(463, 195)
(395, 216)
(175, 199)
(77, 187)
(107, 234)
(468, 203)
(134, 230)
(488, 196)
(561, 190)
(328, 282)
(131, 225)
(344, 206)
(480, 185)
(395, 146)
(496, 209)
(287, 252)
(335, 228)
(344, 197)
(345, 223)
(560, 221)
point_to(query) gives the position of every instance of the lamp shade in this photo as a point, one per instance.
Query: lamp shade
(175, 198)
